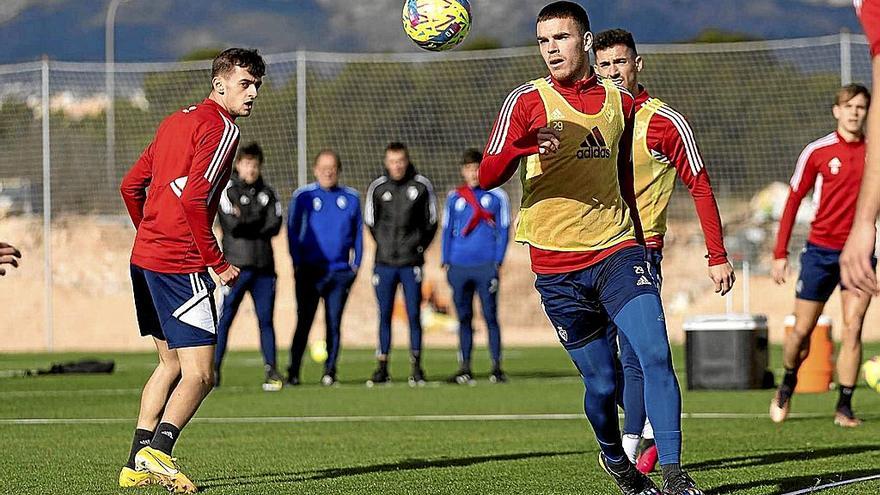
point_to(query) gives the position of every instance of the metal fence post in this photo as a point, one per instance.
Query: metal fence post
(301, 122)
(47, 211)
(845, 58)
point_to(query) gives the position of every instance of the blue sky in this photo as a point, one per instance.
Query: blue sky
(163, 30)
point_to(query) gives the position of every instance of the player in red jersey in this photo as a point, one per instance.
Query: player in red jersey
(856, 269)
(833, 167)
(663, 147)
(570, 136)
(172, 193)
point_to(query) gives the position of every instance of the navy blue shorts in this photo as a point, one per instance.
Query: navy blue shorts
(581, 304)
(820, 273)
(175, 307)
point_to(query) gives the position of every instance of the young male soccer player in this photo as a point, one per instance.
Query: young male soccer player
(401, 212)
(663, 146)
(573, 133)
(833, 165)
(475, 234)
(171, 194)
(856, 267)
(250, 216)
(325, 236)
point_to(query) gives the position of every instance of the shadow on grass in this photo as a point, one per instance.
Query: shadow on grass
(763, 459)
(791, 483)
(404, 465)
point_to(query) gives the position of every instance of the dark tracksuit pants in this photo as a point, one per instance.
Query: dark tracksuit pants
(482, 279)
(385, 280)
(312, 285)
(261, 285)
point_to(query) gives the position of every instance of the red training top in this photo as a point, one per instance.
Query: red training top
(869, 15)
(515, 135)
(835, 168)
(173, 190)
(671, 139)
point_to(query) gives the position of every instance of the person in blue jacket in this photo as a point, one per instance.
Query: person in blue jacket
(475, 235)
(325, 236)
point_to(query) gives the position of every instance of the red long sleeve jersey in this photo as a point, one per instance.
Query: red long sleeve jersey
(834, 168)
(173, 190)
(514, 136)
(869, 15)
(669, 140)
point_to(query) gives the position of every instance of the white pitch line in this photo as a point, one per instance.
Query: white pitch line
(382, 419)
(835, 484)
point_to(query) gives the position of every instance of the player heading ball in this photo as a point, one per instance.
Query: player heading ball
(172, 193)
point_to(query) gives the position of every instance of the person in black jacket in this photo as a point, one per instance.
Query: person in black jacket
(250, 215)
(401, 213)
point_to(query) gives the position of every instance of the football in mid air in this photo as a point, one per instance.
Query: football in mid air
(437, 25)
(871, 368)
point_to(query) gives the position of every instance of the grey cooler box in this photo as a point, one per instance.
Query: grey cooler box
(726, 352)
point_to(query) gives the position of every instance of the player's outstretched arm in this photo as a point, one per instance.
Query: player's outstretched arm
(9, 255)
(514, 135)
(856, 270)
(679, 145)
(855, 260)
(802, 181)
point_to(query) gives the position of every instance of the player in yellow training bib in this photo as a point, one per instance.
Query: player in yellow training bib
(663, 147)
(570, 136)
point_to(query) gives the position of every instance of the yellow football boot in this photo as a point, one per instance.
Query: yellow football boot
(129, 478)
(165, 469)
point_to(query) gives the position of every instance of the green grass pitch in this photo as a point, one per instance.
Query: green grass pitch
(440, 439)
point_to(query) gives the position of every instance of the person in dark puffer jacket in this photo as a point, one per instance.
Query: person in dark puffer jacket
(401, 213)
(250, 215)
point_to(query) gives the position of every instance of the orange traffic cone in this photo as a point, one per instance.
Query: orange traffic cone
(817, 371)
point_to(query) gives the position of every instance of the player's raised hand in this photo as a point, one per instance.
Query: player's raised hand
(779, 270)
(856, 269)
(229, 276)
(548, 141)
(9, 255)
(723, 277)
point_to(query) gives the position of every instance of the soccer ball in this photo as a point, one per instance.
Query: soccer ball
(871, 368)
(437, 25)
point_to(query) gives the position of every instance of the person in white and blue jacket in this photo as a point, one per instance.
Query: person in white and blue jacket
(325, 237)
(475, 235)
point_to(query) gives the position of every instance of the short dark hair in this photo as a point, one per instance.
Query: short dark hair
(245, 58)
(471, 155)
(252, 150)
(565, 10)
(331, 152)
(397, 146)
(849, 92)
(614, 37)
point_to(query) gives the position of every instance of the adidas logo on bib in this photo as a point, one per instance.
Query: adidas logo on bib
(643, 280)
(594, 146)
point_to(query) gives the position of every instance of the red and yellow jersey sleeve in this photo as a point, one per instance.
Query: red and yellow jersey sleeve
(669, 145)
(513, 136)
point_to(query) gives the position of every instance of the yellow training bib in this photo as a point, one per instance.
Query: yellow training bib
(654, 176)
(571, 199)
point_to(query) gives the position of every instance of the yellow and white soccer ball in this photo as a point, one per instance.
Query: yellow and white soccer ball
(871, 368)
(318, 351)
(437, 25)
